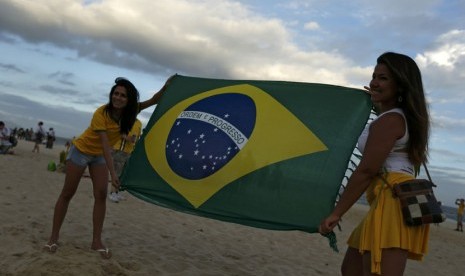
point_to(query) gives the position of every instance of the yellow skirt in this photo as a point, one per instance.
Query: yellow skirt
(384, 227)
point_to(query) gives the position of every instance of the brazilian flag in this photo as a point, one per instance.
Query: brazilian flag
(267, 154)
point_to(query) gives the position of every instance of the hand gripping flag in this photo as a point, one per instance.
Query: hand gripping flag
(266, 154)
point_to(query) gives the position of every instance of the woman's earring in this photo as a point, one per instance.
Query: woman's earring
(399, 99)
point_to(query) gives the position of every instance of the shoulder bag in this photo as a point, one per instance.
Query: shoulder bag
(418, 202)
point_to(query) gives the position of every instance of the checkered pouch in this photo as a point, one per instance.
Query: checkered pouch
(418, 203)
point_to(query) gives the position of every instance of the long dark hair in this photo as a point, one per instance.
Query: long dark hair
(412, 101)
(128, 117)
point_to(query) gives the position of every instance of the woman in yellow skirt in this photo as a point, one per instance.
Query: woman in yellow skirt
(392, 146)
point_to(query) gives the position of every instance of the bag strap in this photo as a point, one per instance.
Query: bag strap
(427, 172)
(123, 144)
(429, 176)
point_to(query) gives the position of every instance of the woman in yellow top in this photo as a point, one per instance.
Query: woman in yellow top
(392, 146)
(93, 149)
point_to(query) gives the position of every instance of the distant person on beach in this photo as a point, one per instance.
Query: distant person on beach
(92, 149)
(29, 134)
(62, 157)
(392, 146)
(50, 138)
(67, 146)
(461, 203)
(121, 152)
(39, 134)
(63, 154)
(5, 139)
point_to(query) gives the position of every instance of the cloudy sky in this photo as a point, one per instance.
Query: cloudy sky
(59, 57)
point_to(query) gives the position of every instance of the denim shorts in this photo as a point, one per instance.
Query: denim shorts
(82, 159)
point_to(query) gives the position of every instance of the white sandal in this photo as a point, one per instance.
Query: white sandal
(51, 248)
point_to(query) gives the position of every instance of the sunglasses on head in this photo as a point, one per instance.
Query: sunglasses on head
(120, 79)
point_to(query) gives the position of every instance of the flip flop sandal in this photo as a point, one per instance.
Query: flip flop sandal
(51, 248)
(104, 253)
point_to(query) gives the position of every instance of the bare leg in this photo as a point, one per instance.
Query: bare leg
(72, 178)
(352, 263)
(393, 261)
(36, 148)
(99, 175)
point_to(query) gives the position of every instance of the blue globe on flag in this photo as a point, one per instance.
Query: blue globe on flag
(209, 133)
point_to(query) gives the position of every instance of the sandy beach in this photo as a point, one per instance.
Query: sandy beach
(149, 240)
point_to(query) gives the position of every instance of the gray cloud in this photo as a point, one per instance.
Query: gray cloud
(63, 78)
(454, 157)
(450, 123)
(58, 91)
(226, 41)
(449, 183)
(11, 67)
(232, 40)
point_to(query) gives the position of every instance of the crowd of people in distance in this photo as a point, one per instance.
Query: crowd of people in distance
(9, 137)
